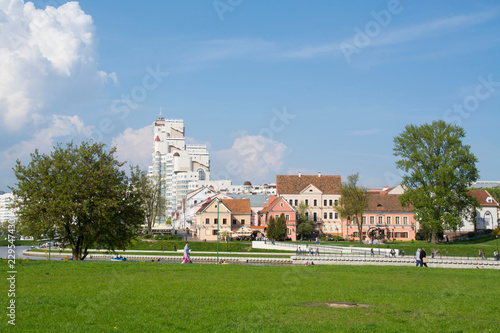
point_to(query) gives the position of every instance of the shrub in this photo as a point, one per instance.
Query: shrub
(147, 236)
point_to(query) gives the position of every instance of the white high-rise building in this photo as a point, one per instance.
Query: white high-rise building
(6, 213)
(178, 166)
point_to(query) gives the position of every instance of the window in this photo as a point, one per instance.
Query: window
(315, 202)
(325, 215)
(315, 217)
(330, 202)
(288, 231)
(325, 202)
(214, 232)
(234, 221)
(296, 202)
(201, 174)
(336, 216)
(307, 202)
(207, 221)
(380, 220)
(281, 204)
(405, 219)
(224, 221)
(307, 214)
(287, 217)
(290, 201)
(396, 220)
(242, 221)
(364, 219)
(388, 219)
(215, 221)
(336, 202)
(331, 215)
(276, 216)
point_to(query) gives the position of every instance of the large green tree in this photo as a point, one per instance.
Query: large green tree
(80, 195)
(438, 169)
(352, 203)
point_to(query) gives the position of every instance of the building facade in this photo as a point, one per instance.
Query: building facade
(319, 192)
(234, 216)
(383, 218)
(6, 213)
(176, 165)
(276, 206)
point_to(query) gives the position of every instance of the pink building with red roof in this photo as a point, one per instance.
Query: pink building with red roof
(276, 206)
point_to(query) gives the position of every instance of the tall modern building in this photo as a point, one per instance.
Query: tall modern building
(178, 166)
(6, 213)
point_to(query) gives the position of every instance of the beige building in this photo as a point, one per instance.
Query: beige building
(234, 216)
(319, 192)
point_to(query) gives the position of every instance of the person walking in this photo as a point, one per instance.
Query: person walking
(432, 253)
(317, 251)
(423, 258)
(402, 252)
(371, 252)
(186, 259)
(317, 240)
(495, 254)
(417, 257)
(175, 248)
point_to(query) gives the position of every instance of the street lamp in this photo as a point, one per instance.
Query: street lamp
(218, 230)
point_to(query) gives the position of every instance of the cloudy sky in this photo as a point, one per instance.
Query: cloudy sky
(271, 87)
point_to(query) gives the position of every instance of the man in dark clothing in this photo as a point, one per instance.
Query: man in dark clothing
(423, 262)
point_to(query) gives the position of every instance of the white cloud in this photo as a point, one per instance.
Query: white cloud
(47, 57)
(252, 157)
(60, 128)
(135, 146)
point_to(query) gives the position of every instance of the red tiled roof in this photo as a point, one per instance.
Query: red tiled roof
(385, 203)
(482, 196)
(294, 184)
(238, 206)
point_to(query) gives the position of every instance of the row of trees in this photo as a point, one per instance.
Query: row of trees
(82, 196)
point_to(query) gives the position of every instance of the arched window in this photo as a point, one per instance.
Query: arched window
(201, 174)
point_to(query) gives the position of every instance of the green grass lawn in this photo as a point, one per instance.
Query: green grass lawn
(151, 297)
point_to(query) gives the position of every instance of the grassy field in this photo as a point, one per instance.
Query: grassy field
(151, 297)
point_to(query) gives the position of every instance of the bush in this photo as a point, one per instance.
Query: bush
(147, 236)
(169, 237)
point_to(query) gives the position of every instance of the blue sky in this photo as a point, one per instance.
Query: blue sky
(271, 87)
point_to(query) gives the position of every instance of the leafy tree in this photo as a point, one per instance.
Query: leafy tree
(304, 225)
(438, 168)
(352, 203)
(271, 228)
(154, 204)
(80, 195)
(302, 210)
(280, 229)
(305, 228)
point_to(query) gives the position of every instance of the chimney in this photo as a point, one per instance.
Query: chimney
(319, 174)
(300, 174)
